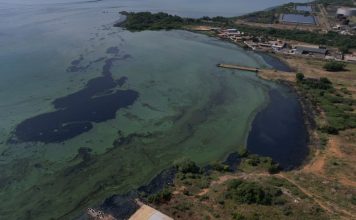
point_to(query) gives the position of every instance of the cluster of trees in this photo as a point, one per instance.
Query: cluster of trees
(253, 193)
(140, 21)
(150, 21)
(338, 109)
(334, 66)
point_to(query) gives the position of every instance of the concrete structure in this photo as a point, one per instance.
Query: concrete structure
(149, 213)
(347, 12)
(350, 57)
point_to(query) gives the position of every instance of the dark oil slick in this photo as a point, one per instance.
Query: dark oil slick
(97, 102)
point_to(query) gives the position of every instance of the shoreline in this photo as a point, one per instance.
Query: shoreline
(123, 205)
(308, 110)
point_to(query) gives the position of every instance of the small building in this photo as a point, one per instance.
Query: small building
(278, 44)
(311, 50)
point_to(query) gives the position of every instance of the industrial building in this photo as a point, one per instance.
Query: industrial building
(346, 12)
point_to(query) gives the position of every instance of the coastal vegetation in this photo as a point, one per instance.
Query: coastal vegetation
(160, 197)
(253, 193)
(235, 195)
(337, 105)
(151, 21)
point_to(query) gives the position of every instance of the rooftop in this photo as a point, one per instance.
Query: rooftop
(303, 49)
(298, 19)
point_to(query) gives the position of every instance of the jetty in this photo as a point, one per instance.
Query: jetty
(238, 67)
(264, 73)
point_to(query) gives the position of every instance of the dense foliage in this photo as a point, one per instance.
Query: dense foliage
(253, 193)
(150, 21)
(163, 196)
(336, 2)
(337, 105)
(334, 66)
(187, 166)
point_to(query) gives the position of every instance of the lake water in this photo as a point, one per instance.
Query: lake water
(88, 110)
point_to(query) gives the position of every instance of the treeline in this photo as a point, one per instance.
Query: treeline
(150, 21)
(336, 2)
(140, 21)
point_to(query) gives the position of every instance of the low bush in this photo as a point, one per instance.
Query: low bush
(253, 193)
(161, 197)
(334, 66)
(187, 166)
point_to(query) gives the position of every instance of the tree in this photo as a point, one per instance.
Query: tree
(300, 77)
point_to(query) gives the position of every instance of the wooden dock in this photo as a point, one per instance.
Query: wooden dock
(238, 67)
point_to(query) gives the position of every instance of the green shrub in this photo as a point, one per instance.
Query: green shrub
(252, 193)
(299, 77)
(163, 196)
(187, 166)
(238, 216)
(220, 167)
(334, 66)
(243, 152)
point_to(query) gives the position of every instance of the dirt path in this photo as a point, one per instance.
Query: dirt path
(316, 166)
(326, 205)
